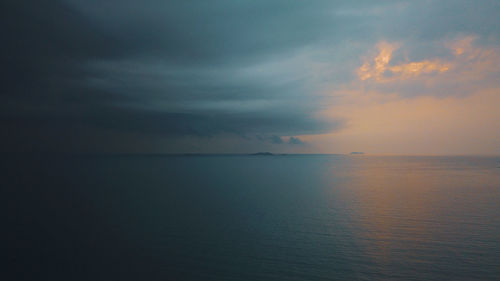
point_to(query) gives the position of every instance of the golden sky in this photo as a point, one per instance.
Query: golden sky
(448, 105)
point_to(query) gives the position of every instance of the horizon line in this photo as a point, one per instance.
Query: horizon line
(232, 154)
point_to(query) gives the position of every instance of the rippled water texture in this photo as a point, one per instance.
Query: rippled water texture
(316, 217)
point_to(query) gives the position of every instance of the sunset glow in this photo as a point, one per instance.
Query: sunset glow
(432, 106)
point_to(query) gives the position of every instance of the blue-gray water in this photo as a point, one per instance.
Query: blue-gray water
(295, 217)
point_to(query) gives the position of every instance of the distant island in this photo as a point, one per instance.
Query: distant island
(265, 154)
(356, 153)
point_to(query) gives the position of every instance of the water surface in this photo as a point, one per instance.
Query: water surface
(294, 217)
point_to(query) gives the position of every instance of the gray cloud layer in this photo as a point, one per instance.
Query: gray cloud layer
(75, 70)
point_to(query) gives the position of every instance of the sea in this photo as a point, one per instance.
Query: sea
(250, 217)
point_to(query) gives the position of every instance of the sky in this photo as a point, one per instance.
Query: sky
(233, 76)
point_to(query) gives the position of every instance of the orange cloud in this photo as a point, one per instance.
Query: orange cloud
(378, 67)
(462, 45)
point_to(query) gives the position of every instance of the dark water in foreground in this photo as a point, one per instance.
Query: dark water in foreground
(251, 218)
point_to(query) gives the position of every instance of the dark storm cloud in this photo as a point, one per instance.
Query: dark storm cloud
(108, 65)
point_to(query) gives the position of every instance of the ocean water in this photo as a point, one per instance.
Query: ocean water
(294, 217)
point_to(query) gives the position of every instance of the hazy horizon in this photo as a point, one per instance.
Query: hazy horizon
(249, 153)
